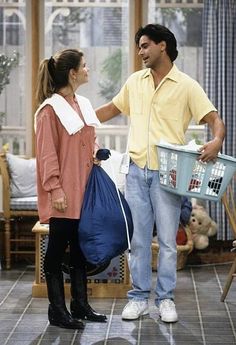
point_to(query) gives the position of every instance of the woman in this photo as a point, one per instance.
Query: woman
(65, 151)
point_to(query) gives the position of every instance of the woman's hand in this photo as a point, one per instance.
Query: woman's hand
(96, 161)
(60, 204)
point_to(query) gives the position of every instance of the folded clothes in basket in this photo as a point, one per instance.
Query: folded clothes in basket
(191, 146)
(215, 184)
(194, 182)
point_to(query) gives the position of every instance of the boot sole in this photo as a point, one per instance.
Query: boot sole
(58, 324)
(85, 318)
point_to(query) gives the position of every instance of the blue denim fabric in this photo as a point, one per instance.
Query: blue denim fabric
(149, 203)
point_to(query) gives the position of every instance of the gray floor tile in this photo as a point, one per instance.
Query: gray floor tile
(203, 318)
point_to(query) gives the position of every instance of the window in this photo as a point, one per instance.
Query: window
(12, 74)
(184, 18)
(101, 30)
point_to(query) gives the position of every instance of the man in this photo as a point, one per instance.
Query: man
(161, 101)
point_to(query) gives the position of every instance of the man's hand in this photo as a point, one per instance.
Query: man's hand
(210, 150)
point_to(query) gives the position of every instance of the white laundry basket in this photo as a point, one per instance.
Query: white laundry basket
(181, 173)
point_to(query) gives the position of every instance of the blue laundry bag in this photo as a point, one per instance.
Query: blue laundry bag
(106, 226)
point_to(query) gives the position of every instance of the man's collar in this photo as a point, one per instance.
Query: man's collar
(173, 73)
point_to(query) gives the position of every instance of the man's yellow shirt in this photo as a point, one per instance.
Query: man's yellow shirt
(160, 113)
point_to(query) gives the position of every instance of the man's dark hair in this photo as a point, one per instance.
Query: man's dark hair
(158, 33)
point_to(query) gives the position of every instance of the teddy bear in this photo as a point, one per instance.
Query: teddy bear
(201, 226)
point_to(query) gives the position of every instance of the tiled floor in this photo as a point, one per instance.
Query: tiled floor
(203, 319)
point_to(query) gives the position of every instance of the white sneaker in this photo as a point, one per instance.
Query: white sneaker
(134, 309)
(167, 311)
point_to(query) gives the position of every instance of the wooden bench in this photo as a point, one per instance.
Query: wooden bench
(113, 282)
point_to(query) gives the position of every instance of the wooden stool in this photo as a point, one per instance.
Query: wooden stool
(231, 275)
(114, 282)
(230, 209)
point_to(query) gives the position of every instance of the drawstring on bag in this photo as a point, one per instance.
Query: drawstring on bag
(123, 211)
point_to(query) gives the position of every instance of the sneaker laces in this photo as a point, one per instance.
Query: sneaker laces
(168, 304)
(136, 304)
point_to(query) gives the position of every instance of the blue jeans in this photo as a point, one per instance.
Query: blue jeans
(149, 203)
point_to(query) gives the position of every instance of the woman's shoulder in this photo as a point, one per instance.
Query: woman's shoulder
(46, 112)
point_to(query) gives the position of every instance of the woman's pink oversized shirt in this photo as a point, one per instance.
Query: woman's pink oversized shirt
(64, 163)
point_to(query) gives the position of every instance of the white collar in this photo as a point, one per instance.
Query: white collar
(68, 116)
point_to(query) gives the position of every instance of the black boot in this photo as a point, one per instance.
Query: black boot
(79, 307)
(58, 314)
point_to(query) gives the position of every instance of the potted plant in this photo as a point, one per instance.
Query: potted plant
(7, 63)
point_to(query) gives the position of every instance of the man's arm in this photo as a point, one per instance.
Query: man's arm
(107, 112)
(211, 149)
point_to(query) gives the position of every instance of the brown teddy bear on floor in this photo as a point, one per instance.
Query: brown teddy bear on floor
(201, 226)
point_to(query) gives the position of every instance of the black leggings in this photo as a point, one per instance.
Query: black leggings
(63, 232)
